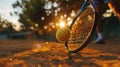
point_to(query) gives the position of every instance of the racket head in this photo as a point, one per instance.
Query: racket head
(81, 30)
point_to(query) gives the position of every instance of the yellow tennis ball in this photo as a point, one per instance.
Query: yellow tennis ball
(63, 34)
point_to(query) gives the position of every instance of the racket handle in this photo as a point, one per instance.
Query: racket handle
(82, 7)
(79, 12)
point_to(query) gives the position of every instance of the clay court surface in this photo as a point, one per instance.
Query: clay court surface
(29, 53)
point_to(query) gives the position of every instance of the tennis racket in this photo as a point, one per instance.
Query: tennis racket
(82, 28)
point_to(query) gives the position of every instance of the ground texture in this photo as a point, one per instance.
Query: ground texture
(29, 53)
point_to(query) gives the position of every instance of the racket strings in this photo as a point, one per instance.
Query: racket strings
(82, 27)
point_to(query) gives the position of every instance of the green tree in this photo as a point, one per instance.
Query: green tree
(42, 12)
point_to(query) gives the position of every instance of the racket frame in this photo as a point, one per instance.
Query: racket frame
(85, 43)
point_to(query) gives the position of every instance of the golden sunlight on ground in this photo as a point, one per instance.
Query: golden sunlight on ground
(43, 53)
(37, 46)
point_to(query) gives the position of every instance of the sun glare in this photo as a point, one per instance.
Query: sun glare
(70, 22)
(62, 24)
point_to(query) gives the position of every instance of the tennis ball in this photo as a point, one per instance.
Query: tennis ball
(63, 34)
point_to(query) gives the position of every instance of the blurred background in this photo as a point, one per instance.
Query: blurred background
(39, 19)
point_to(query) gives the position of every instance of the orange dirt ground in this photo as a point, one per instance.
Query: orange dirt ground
(28, 53)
